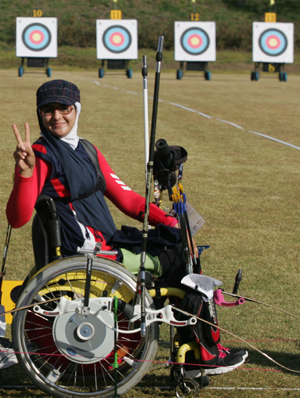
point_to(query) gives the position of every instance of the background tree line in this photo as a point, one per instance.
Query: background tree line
(77, 20)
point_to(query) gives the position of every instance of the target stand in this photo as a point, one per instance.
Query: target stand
(115, 65)
(36, 41)
(271, 68)
(35, 63)
(195, 46)
(117, 43)
(273, 47)
(193, 66)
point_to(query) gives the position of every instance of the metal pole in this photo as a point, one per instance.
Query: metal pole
(146, 114)
(142, 272)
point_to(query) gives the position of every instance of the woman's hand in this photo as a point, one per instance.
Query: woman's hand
(24, 155)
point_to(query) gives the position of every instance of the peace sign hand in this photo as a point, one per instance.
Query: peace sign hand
(24, 155)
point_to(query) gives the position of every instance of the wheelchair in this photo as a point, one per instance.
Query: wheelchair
(76, 331)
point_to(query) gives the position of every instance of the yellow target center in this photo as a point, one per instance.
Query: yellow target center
(273, 42)
(195, 41)
(117, 39)
(36, 37)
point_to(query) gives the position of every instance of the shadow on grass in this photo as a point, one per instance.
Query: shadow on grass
(286, 359)
(157, 382)
(22, 393)
(14, 384)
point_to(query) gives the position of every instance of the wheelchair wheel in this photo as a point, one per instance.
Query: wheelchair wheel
(191, 388)
(67, 353)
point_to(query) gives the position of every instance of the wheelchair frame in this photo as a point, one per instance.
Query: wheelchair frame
(67, 348)
(71, 347)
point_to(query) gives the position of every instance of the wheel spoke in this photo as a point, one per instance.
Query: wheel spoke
(70, 353)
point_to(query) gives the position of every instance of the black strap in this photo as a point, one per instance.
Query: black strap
(91, 151)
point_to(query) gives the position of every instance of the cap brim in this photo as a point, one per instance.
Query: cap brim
(57, 100)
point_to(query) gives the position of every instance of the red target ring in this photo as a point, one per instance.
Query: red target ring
(36, 37)
(273, 42)
(195, 41)
(116, 39)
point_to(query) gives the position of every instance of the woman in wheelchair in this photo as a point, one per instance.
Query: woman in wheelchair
(77, 177)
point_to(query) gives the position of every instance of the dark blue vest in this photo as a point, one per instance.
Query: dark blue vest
(76, 172)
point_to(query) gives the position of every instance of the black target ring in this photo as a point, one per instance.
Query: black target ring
(36, 37)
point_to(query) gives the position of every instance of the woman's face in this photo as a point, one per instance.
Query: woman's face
(57, 123)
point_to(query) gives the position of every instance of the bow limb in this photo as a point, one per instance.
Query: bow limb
(262, 303)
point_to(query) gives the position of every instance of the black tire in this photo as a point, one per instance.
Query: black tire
(43, 341)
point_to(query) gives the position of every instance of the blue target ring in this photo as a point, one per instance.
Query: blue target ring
(36, 37)
(116, 39)
(195, 41)
(273, 42)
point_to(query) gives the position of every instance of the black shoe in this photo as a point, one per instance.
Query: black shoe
(228, 360)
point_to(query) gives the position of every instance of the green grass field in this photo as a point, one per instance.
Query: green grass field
(242, 176)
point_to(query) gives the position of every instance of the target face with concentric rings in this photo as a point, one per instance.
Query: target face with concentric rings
(117, 39)
(273, 42)
(36, 37)
(195, 41)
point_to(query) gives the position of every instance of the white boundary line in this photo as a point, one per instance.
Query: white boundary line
(233, 388)
(34, 387)
(254, 388)
(274, 139)
(209, 117)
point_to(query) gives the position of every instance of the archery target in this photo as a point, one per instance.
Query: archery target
(117, 39)
(195, 41)
(36, 37)
(273, 42)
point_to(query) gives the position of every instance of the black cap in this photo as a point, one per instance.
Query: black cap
(59, 91)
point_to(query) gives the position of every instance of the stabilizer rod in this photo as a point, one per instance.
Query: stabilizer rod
(142, 272)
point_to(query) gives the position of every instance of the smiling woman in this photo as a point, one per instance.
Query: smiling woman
(58, 119)
(59, 165)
